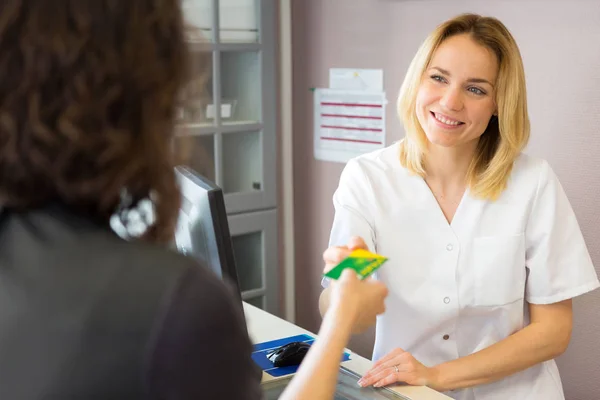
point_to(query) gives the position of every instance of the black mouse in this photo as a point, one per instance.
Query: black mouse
(288, 354)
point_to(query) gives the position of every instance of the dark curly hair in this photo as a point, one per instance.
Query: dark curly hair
(88, 90)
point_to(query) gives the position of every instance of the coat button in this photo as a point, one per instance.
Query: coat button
(446, 337)
(446, 300)
(449, 247)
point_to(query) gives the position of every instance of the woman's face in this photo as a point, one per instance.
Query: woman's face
(456, 96)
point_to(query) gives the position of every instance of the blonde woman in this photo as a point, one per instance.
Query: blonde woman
(485, 250)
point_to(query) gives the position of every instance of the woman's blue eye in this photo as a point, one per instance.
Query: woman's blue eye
(472, 89)
(476, 91)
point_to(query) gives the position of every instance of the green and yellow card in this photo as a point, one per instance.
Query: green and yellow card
(362, 261)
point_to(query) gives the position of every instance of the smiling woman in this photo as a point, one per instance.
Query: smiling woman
(472, 69)
(485, 252)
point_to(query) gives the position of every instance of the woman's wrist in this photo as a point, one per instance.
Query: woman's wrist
(439, 379)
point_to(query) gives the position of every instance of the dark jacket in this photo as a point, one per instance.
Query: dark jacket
(87, 315)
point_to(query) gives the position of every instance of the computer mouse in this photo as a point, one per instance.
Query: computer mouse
(288, 354)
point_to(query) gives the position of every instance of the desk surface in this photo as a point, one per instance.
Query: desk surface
(263, 327)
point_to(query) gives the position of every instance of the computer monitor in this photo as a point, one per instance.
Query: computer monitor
(202, 229)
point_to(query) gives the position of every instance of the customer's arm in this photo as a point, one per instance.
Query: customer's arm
(351, 300)
(331, 257)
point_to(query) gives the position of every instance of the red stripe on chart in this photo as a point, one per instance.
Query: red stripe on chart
(352, 129)
(349, 116)
(350, 140)
(353, 105)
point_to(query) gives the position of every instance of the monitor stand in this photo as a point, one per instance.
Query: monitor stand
(346, 389)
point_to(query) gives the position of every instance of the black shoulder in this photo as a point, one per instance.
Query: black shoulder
(201, 344)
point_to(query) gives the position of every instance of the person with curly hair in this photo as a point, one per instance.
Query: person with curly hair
(88, 91)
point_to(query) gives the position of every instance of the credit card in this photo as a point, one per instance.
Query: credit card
(362, 261)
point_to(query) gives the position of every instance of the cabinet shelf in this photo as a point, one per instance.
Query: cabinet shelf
(210, 129)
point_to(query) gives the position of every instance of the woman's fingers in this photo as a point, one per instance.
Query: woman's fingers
(356, 242)
(335, 254)
(382, 367)
(389, 356)
(376, 370)
(397, 356)
(376, 377)
(390, 378)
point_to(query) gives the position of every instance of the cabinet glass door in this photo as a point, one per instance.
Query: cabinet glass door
(197, 152)
(239, 21)
(198, 20)
(241, 87)
(196, 108)
(254, 239)
(242, 162)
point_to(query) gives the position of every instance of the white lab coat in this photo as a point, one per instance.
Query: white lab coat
(457, 288)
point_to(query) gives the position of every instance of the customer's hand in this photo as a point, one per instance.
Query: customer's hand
(351, 298)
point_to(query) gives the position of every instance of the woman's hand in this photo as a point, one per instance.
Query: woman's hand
(335, 254)
(399, 366)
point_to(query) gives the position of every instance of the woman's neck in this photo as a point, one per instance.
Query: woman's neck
(448, 166)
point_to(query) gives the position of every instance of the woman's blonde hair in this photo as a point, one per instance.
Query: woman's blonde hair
(506, 135)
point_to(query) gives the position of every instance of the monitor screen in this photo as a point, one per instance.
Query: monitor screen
(202, 229)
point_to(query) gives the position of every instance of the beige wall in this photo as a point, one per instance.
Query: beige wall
(560, 43)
